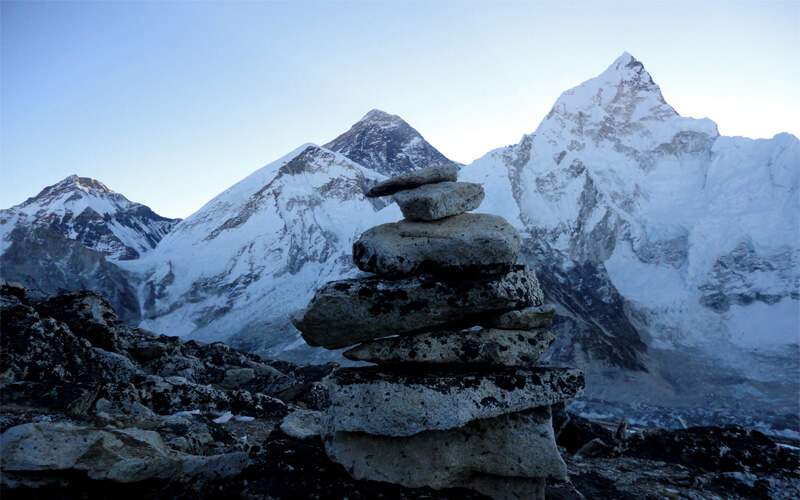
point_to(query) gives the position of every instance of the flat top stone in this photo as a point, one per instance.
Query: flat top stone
(403, 401)
(440, 200)
(476, 347)
(466, 243)
(429, 175)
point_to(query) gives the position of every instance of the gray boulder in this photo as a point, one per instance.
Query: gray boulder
(467, 243)
(524, 319)
(301, 424)
(518, 445)
(404, 402)
(479, 347)
(440, 200)
(120, 455)
(429, 175)
(347, 312)
(237, 377)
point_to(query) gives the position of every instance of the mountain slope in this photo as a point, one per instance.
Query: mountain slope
(69, 236)
(237, 268)
(387, 144)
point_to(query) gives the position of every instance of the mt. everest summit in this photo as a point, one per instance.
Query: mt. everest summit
(386, 144)
(670, 252)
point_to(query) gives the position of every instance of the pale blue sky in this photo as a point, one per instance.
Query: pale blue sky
(170, 103)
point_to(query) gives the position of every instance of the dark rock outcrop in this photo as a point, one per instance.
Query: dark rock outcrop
(345, 312)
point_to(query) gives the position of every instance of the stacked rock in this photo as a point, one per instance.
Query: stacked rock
(455, 328)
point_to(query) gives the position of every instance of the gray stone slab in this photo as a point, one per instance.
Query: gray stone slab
(492, 347)
(516, 445)
(346, 312)
(404, 402)
(437, 201)
(429, 175)
(468, 243)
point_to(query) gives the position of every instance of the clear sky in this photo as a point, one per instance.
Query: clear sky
(170, 103)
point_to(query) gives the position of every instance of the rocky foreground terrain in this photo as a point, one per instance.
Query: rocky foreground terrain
(92, 408)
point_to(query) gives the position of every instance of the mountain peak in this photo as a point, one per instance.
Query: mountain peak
(624, 59)
(386, 144)
(627, 67)
(379, 115)
(70, 188)
(624, 91)
(76, 182)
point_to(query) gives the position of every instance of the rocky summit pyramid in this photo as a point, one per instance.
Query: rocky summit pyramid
(386, 144)
(455, 328)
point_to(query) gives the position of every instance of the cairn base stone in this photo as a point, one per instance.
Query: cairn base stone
(467, 243)
(515, 445)
(437, 201)
(346, 312)
(489, 346)
(409, 180)
(404, 401)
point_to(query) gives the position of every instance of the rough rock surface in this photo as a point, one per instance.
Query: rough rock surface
(415, 178)
(71, 354)
(302, 424)
(507, 488)
(475, 347)
(467, 243)
(53, 374)
(291, 468)
(405, 401)
(346, 312)
(387, 144)
(153, 416)
(513, 445)
(524, 319)
(437, 201)
(122, 455)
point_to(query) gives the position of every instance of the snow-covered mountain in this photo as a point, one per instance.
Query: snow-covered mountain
(689, 238)
(658, 239)
(238, 267)
(386, 144)
(69, 236)
(85, 210)
(671, 252)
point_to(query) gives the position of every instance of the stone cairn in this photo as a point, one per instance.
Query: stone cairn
(455, 327)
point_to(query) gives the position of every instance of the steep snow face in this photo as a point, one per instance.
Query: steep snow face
(236, 269)
(694, 231)
(387, 144)
(85, 210)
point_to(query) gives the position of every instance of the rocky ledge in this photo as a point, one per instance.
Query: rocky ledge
(90, 408)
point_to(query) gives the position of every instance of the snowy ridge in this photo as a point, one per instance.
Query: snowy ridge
(237, 268)
(85, 210)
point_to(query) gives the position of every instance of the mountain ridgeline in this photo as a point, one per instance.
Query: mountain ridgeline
(69, 237)
(669, 251)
